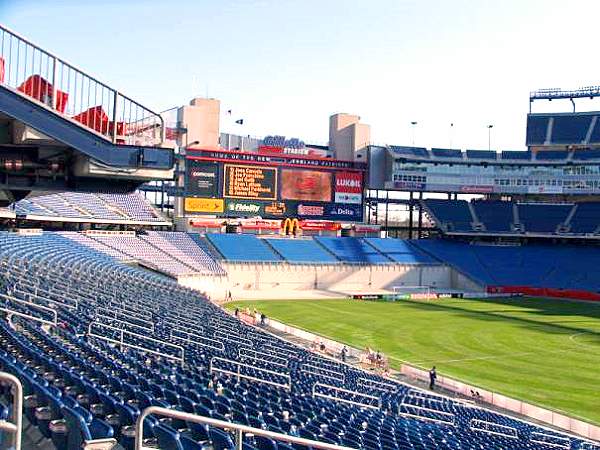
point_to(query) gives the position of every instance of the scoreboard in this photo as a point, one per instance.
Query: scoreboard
(250, 182)
(234, 184)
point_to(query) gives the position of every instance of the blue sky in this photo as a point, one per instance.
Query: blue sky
(285, 66)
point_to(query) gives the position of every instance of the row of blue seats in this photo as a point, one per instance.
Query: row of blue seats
(317, 250)
(499, 216)
(533, 265)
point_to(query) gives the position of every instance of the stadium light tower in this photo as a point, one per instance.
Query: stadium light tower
(489, 127)
(413, 126)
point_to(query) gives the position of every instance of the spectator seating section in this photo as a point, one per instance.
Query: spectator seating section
(515, 154)
(302, 251)
(352, 250)
(543, 218)
(586, 218)
(584, 155)
(454, 215)
(537, 127)
(482, 154)
(551, 155)
(182, 247)
(560, 267)
(400, 251)
(410, 151)
(242, 248)
(98, 207)
(97, 389)
(446, 153)
(570, 129)
(497, 216)
(595, 135)
(171, 253)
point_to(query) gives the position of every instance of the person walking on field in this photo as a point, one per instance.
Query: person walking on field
(432, 378)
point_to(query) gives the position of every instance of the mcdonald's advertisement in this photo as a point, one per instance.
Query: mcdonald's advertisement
(272, 191)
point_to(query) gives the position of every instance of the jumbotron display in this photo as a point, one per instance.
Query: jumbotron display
(237, 184)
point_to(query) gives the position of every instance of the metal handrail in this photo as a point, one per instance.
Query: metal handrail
(541, 440)
(240, 375)
(17, 410)
(34, 306)
(370, 383)
(482, 425)
(196, 341)
(239, 429)
(149, 328)
(61, 84)
(344, 400)
(123, 344)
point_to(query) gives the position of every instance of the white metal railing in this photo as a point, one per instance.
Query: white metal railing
(336, 376)
(428, 396)
(550, 440)
(280, 351)
(240, 375)
(148, 327)
(234, 339)
(14, 428)
(46, 299)
(238, 429)
(367, 382)
(493, 428)
(449, 418)
(197, 339)
(117, 311)
(51, 311)
(589, 446)
(267, 357)
(67, 90)
(328, 387)
(123, 344)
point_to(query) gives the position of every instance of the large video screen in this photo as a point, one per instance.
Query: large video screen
(272, 191)
(310, 185)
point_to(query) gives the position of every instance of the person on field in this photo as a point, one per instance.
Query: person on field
(344, 353)
(432, 378)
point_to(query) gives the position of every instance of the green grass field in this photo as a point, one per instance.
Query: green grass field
(542, 351)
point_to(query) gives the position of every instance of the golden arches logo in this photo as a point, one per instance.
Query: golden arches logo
(290, 226)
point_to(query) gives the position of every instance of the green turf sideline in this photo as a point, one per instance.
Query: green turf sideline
(543, 351)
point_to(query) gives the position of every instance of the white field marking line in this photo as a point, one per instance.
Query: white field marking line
(581, 344)
(508, 355)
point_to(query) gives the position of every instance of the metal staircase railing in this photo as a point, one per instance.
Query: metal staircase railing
(67, 90)
(15, 427)
(237, 429)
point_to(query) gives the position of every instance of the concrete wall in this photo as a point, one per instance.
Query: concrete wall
(538, 413)
(347, 135)
(201, 118)
(281, 280)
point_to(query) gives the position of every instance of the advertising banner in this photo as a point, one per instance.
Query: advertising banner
(203, 205)
(348, 182)
(244, 208)
(202, 179)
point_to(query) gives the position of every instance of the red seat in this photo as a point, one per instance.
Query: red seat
(37, 87)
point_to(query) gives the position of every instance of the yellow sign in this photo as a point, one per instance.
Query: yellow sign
(204, 205)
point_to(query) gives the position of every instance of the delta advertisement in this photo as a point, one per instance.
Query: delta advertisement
(273, 192)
